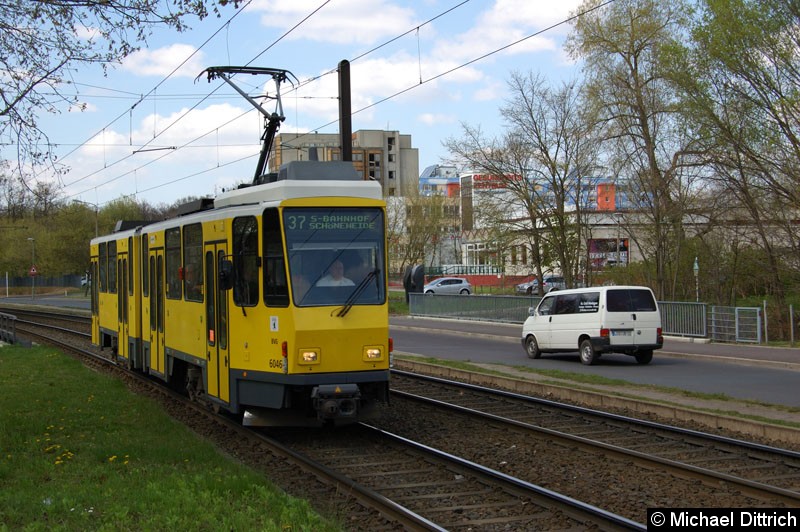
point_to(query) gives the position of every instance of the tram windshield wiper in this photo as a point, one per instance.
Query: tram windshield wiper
(357, 291)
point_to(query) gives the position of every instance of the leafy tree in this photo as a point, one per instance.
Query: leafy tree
(42, 43)
(646, 143)
(739, 82)
(126, 208)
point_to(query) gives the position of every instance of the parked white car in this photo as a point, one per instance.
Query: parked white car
(593, 321)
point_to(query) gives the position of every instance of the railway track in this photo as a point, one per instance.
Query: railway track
(447, 491)
(624, 461)
(386, 481)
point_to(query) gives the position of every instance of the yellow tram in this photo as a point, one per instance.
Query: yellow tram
(269, 301)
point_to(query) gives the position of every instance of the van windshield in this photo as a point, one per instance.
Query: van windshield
(630, 300)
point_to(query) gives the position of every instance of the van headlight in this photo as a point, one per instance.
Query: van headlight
(373, 353)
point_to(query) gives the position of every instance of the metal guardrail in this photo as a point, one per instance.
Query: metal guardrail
(683, 319)
(677, 318)
(8, 328)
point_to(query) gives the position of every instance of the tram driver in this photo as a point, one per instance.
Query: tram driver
(335, 276)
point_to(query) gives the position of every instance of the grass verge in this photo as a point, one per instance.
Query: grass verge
(81, 452)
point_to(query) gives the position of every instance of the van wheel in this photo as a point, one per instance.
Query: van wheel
(532, 347)
(588, 355)
(644, 357)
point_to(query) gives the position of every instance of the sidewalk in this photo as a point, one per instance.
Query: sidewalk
(787, 357)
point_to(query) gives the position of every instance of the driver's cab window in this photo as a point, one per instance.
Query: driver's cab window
(276, 287)
(335, 255)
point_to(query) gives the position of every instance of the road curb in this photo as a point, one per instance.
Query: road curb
(599, 400)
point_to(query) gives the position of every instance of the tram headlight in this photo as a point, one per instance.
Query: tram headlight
(308, 355)
(373, 353)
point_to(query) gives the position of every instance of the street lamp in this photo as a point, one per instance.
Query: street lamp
(617, 216)
(696, 269)
(33, 266)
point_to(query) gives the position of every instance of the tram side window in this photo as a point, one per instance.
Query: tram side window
(112, 267)
(102, 267)
(193, 262)
(145, 264)
(173, 262)
(276, 289)
(245, 261)
(130, 265)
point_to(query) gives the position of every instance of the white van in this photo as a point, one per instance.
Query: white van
(593, 321)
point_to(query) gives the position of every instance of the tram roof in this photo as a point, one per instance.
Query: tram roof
(305, 179)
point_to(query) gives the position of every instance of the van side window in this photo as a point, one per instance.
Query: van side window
(566, 304)
(546, 306)
(589, 302)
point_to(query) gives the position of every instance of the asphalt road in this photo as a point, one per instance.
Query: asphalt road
(748, 372)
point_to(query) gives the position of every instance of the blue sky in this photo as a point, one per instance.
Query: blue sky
(152, 101)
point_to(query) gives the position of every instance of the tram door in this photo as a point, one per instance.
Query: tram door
(217, 361)
(122, 306)
(95, 281)
(156, 310)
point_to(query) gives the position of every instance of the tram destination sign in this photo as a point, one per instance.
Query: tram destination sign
(357, 220)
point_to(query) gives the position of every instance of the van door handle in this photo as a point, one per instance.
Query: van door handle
(634, 317)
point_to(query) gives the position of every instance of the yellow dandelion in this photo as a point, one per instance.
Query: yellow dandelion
(112, 458)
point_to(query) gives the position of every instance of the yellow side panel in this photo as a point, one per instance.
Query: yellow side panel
(184, 328)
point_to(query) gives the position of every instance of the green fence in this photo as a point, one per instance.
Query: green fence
(506, 309)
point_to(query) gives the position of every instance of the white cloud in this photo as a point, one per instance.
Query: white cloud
(163, 61)
(344, 21)
(435, 119)
(534, 14)
(491, 91)
(205, 137)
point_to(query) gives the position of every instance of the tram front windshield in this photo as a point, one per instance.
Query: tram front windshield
(336, 255)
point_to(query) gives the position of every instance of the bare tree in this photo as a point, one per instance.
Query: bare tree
(44, 41)
(542, 163)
